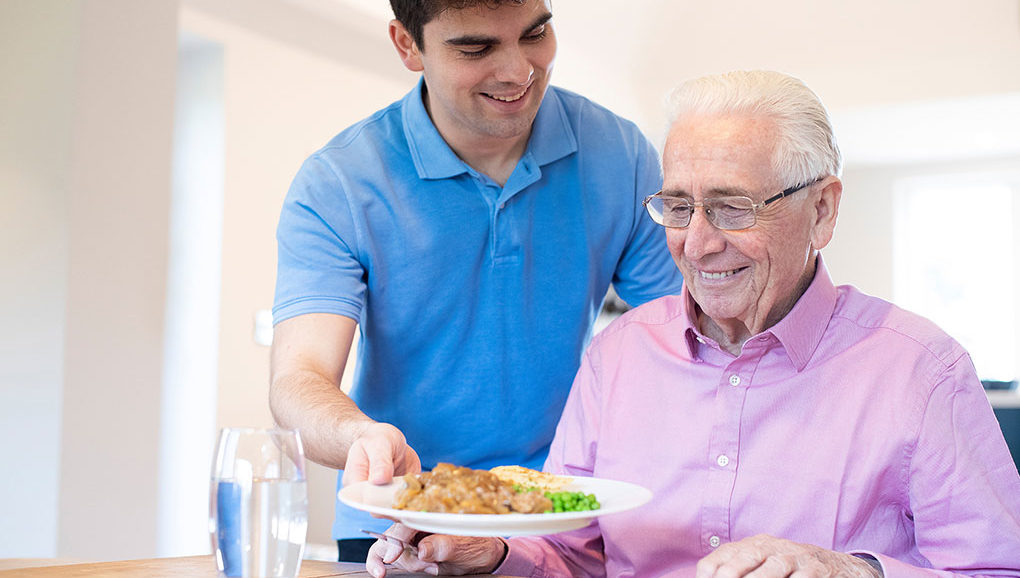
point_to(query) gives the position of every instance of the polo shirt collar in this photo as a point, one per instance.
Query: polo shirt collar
(551, 136)
(800, 332)
(433, 158)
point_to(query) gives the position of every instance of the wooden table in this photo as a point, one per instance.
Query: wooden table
(191, 566)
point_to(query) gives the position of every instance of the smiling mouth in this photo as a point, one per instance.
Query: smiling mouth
(509, 98)
(720, 274)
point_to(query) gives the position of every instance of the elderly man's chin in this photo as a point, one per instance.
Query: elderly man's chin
(719, 305)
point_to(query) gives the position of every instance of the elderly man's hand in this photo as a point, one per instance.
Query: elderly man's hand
(378, 454)
(767, 556)
(437, 553)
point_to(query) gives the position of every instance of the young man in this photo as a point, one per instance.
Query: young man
(470, 232)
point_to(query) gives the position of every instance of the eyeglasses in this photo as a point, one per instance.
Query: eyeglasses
(725, 213)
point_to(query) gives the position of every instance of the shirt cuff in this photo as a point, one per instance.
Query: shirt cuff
(872, 561)
(518, 561)
(893, 568)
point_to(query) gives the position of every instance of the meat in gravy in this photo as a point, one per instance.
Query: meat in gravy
(457, 490)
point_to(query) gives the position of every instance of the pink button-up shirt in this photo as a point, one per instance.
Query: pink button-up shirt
(851, 424)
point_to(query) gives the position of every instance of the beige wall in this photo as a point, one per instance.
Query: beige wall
(861, 252)
(87, 170)
(117, 266)
(36, 116)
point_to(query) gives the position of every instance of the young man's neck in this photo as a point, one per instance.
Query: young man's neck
(493, 157)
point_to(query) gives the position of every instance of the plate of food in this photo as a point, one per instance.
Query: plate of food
(504, 501)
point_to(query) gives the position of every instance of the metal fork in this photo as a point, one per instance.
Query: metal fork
(387, 538)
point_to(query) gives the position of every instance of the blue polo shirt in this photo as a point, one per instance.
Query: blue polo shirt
(474, 301)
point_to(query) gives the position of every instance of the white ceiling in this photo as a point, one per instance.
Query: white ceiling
(903, 66)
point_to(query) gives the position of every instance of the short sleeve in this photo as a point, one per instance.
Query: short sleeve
(319, 269)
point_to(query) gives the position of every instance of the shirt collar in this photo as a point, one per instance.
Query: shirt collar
(689, 318)
(433, 158)
(800, 332)
(551, 136)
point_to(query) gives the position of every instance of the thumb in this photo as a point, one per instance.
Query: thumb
(436, 548)
(459, 554)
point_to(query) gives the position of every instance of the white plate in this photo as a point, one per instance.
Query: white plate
(613, 496)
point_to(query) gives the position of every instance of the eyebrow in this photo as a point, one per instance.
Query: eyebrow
(469, 40)
(714, 192)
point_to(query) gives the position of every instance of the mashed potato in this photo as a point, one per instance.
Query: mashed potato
(528, 478)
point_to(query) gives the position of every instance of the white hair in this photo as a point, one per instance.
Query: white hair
(806, 147)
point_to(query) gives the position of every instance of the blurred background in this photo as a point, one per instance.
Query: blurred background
(146, 148)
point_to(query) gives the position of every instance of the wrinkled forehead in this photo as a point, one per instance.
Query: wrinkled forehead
(719, 151)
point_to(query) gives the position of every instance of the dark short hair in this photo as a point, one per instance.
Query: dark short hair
(415, 14)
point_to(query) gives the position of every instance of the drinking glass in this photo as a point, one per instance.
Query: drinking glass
(258, 503)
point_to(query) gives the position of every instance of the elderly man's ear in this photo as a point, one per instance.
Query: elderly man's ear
(826, 209)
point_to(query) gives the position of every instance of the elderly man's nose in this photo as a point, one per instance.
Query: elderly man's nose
(702, 237)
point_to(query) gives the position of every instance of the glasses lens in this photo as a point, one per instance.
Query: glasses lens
(730, 213)
(653, 204)
(665, 211)
(676, 212)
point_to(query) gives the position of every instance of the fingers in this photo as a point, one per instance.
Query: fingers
(775, 565)
(769, 557)
(401, 458)
(380, 471)
(378, 454)
(452, 555)
(729, 561)
(356, 468)
(393, 552)
(374, 560)
(384, 553)
(411, 462)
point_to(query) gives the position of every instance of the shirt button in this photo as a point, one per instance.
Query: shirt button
(734, 380)
(714, 541)
(723, 461)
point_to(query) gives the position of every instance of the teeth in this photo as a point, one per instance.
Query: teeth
(509, 98)
(722, 275)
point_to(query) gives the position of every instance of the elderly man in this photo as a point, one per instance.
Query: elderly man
(786, 426)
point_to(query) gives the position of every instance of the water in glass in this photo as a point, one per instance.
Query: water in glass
(258, 503)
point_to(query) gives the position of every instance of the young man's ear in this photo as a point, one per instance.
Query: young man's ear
(407, 49)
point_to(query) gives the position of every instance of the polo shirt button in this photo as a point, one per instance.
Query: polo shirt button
(502, 205)
(714, 541)
(722, 460)
(734, 380)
